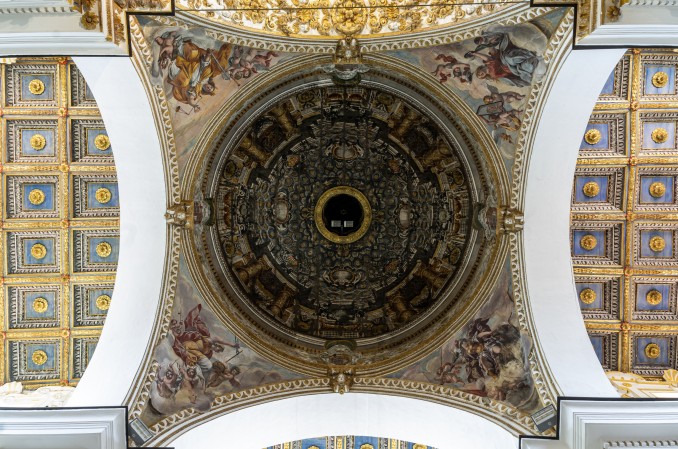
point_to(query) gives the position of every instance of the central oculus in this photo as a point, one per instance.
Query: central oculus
(343, 214)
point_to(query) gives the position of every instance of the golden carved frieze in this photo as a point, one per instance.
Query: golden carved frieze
(339, 18)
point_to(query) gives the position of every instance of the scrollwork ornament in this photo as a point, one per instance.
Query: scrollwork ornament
(89, 20)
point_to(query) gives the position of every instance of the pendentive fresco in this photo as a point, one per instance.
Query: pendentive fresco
(340, 211)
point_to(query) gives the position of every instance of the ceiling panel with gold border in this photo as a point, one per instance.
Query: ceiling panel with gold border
(60, 222)
(625, 217)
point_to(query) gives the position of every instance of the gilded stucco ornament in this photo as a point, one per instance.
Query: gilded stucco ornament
(36, 197)
(40, 305)
(38, 142)
(102, 142)
(660, 79)
(657, 189)
(36, 86)
(335, 192)
(180, 215)
(657, 244)
(659, 135)
(588, 242)
(103, 195)
(104, 249)
(653, 297)
(591, 189)
(587, 296)
(339, 18)
(39, 357)
(652, 351)
(592, 136)
(89, 20)
(38, 251)
(103, 302)
(512, 221)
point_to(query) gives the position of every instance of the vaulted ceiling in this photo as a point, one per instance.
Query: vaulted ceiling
(624, 226)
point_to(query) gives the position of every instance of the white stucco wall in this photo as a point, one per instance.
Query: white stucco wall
(293, 419)
(130, 126)
(559, 324)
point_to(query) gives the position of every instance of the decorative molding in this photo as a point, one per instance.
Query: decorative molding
(12, 394)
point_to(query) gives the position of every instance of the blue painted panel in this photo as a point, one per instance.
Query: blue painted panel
(648, 127)
(92, 187)
(92, 296)
(642, 342)
(50, 257)
(92, 149)
(598, 251)
(596, 287)
(647, 181)
(47, 189)
(47, 94)
(608, 88)
(579, 183)
(645, 237)
(50, 349)
(27, 149)
(115, 249)
(321, 443)
(604, 142)
(50, 313)
(90, 346)
(374, 441)
(670, 87)
(641, 294)
(597, 341)
(89, 96)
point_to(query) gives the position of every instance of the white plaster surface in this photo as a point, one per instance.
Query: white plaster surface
(136, 148)
(293, 419)
(550, 283)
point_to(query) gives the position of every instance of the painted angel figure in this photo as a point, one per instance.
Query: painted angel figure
(452, 68)
(194, 344)
(505, 61)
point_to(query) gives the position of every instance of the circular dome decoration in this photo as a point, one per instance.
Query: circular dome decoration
(332, 221)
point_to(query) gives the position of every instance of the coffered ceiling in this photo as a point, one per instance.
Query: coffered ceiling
(625, 217)
(60, 212)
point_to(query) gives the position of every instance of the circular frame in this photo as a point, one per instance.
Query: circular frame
(320, 206)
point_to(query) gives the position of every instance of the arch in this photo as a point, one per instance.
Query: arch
(559, 328)
(130, 126)
(296, 418)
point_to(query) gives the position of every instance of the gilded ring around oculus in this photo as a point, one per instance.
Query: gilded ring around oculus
(320, 206)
